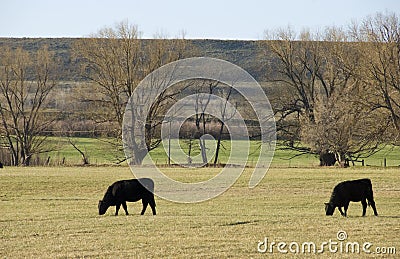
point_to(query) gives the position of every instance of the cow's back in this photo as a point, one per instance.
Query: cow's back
(132, 190)
(355, 190)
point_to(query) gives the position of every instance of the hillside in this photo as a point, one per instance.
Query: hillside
(245, 54)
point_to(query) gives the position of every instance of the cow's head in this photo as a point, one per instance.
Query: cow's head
(103, 206)
(329, 209)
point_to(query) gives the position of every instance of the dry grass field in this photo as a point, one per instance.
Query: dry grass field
(49, 212)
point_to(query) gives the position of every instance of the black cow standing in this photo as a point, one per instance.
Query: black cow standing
(129, 190)
(345, 192)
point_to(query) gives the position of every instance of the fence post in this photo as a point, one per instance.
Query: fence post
(384, 162)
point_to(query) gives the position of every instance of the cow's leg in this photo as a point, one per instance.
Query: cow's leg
(374, 208)
(364, 206)
(341, 212)
(125, 207)
(117, 206)
(371, 202)
(346, 206)
(153, 205)
(145, 203)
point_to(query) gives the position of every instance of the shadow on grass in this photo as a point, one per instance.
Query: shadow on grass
(240, 223)
(389, 217)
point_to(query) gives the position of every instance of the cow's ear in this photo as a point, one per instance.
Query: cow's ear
(326, 203)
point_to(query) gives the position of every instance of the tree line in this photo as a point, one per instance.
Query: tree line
(334, 91)
(338, 88)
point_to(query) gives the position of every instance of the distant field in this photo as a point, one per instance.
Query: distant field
(52, 212)
(100, 152)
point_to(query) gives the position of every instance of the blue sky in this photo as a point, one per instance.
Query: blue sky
(213, 19)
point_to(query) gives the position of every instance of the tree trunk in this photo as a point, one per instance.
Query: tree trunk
(203, 150)
(342, 160)
(221, 129)
(25, 159)
(190, 151)
(139, 156)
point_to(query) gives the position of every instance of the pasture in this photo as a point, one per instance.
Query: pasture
(52, 212)
(100, 151)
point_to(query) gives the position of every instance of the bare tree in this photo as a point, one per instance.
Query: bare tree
(380, 35)
(319, 74)
(204, 89)
(115, 61)
(226, 115)
(85, 158)
(344, 127)
(111, 61)
(298, 66)
(26, 79)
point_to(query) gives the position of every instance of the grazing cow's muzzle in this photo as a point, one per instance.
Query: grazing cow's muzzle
(329, 209)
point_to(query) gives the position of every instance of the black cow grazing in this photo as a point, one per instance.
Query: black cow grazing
(1, 165)
(345, 192)
(129, 190)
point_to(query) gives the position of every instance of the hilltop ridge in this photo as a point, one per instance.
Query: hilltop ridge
(243, 53)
